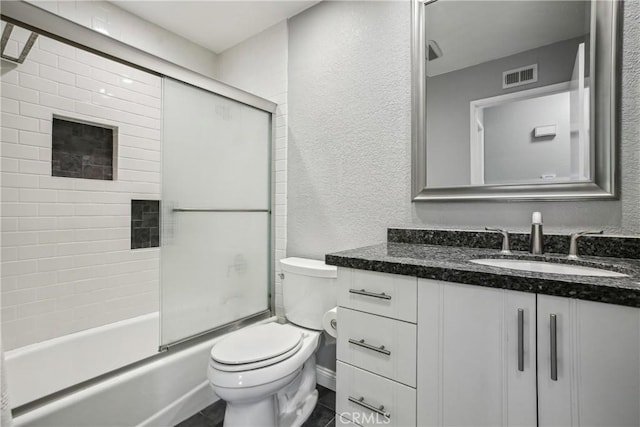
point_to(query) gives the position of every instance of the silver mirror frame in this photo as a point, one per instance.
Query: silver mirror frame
(604, 99)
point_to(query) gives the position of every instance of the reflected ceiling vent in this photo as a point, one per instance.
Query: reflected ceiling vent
(520, 76)
(433, 50)
(8, 41)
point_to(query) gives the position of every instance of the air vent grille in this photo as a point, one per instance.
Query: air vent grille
(520, 76)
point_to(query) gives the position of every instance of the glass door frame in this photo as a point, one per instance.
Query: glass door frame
(56, 27)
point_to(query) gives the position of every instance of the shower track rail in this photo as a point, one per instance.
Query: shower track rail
(219, 210)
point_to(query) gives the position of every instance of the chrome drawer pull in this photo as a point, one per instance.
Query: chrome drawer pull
(369, 294)
(554, 346)
(521, 340)
(363, 344)
(379, 410)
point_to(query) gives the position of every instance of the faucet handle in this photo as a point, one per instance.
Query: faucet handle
(505, 239)
(573, 245)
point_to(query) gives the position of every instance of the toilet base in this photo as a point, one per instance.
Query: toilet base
(297, 400)
(290, 406)
(259, 414)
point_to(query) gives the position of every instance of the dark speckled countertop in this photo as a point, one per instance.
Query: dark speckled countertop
(452, 264)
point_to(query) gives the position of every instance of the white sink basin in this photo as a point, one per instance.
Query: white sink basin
(548, 267)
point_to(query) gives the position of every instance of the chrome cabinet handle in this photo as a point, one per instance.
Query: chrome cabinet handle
(369, 294)
(520, 340)
(554, 347)
(363, 344)
(379, 410)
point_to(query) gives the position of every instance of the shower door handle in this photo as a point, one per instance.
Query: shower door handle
(218, 210)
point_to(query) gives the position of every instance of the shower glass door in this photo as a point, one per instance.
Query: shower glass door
(215, 250)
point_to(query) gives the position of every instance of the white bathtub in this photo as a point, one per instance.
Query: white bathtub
(162, 392)
(43, 368)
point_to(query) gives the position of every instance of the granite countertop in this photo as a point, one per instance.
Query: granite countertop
(452, 264)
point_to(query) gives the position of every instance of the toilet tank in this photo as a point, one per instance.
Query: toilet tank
(309, 289)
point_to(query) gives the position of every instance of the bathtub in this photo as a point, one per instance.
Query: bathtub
(160, 392)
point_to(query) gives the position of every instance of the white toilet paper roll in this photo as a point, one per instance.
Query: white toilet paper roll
(330, 322)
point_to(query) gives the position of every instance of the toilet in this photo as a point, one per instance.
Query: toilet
(267, 373)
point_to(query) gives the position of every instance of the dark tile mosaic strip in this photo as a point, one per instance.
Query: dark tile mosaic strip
(451, 264)
(605, 246)
(79, 150)
(323, 414)
(145, 224)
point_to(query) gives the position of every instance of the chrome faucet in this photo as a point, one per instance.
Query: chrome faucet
(573, 246)
(505, 239)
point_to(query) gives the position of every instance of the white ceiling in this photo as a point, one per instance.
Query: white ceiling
(474, 32)
(215, 25)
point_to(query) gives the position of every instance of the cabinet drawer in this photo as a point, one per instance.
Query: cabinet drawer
(374, 396)
(378, 344)
(389, 295)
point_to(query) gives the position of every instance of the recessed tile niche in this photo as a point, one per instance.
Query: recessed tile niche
(145, 224)
(81, 150)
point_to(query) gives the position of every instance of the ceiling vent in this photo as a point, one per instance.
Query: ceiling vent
(520, 76)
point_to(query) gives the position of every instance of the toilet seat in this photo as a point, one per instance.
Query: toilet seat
(256, 347)
(255, 365)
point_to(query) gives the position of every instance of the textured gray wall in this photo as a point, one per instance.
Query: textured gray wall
(350, 137)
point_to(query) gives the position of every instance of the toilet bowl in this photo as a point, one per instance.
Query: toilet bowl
(267, 373)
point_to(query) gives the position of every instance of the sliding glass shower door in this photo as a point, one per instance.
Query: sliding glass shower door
(215, 243)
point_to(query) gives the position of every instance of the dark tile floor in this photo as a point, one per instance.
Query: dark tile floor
(323, 414)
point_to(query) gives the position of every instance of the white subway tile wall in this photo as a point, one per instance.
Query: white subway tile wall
(66, 258)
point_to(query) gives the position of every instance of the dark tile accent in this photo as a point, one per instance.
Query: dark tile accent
(603, 246)
(80, 150)
(211, 416)
(320, 417)
(326, 398)
(323, 414)
(451, 264)
(196, 420)
(145, 224)
(214, 414)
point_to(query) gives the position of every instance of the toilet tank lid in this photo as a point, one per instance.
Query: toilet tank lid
(308, 267)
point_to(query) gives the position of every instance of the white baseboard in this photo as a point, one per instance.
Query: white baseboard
(326, 377)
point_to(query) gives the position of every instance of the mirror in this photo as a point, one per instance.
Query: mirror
(514, 99)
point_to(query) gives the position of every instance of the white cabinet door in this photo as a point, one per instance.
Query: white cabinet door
(468, 354)
(597, 359)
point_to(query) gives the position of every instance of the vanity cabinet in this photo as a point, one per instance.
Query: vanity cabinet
(597, 361)
(376, 348)
(419, 352)
(477, 354)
